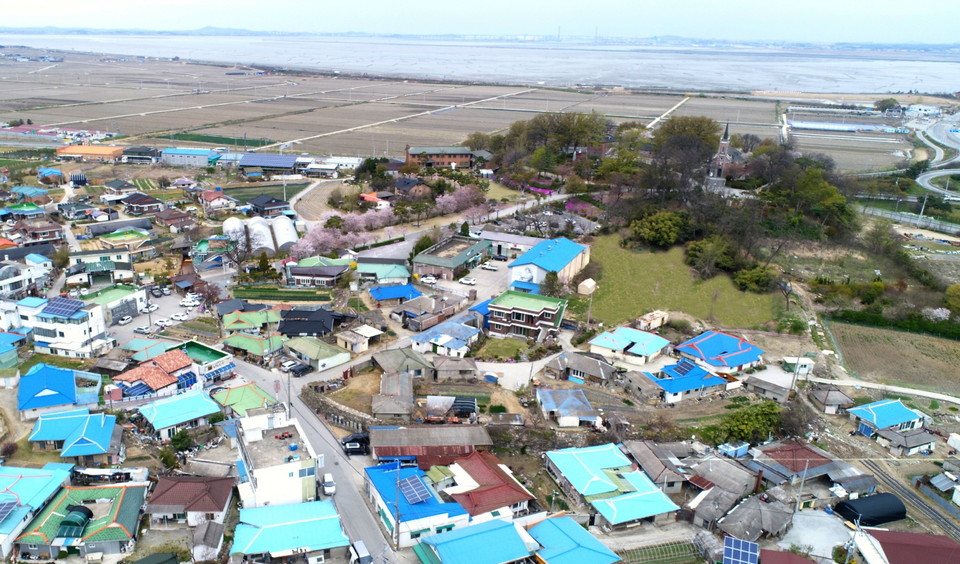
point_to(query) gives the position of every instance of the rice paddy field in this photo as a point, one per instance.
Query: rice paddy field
(149, 100)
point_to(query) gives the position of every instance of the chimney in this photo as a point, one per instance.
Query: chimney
(756, 486)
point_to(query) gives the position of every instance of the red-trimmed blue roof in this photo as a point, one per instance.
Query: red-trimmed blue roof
(551, 255)
(720, 349)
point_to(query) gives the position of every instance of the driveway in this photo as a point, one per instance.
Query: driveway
(168, 306)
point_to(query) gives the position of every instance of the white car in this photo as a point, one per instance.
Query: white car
(125, 320)
(189, 303)
(286, 366)
(429, 279)
(179, 317)
(161, 322)
(469, 281)
(488, 266)
(143, 330)
(150, 308)
(74, 293)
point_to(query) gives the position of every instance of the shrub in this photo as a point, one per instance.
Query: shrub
(216, 418)
(496, 408)
(8, 449)
(758, 279)
(182, 440)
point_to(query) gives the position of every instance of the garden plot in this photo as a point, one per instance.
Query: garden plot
(899, 358)
(853, 155)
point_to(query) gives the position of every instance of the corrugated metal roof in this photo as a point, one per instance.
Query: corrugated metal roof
(268, 161)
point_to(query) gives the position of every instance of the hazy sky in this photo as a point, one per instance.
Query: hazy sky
(883, 21)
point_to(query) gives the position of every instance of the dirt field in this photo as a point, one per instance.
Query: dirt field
(899, 358)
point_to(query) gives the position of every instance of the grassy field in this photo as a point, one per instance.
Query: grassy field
(245, 193)
(502, 348)
(269, 293)
(220, 140)
(500, 192)
(637, 282)
(898, 358)
(145, 184)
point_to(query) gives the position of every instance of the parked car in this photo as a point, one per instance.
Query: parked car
(150, 308)
(162, 322)
(428, 279)
(287, 365)
(74, 293)
(156, 292)
(166, 290)
(301, 370)
(501, 258)
(362, 438)
(179, 317)
(143, 330)
(125, 320)
(329, 486)
(469, 281)
(356, 448)
(189, 303)
(488, 266)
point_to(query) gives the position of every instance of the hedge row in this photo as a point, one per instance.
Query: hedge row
(275, 294)
(379, 244)
(912, 324)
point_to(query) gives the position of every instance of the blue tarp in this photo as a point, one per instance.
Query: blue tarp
(528, 287)
(404, 292)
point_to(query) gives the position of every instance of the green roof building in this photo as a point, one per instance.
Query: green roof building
(529, 316)
(241, 399)
(253, 345)
(318, 354)
(98, 519)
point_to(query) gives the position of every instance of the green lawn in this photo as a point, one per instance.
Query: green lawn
(499, 191)
(634, 283)
(53, 360)
(502, 348)
(271, 293)
(276, 190)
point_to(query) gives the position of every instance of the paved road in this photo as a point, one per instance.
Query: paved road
(925, 180)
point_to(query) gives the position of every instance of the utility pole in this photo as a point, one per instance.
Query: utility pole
(924, 206)
(802, 479)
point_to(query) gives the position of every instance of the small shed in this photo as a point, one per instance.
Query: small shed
(872, 510)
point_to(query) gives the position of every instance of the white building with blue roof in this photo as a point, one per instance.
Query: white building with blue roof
(565, 541)
(183, 411)
(560, 255)
(186, 156)
(48, 389)
(81, 437)
(409, 507)
(450, 338)
(628, 346)
(310, 531)
(23, 493)
(491, 542)
(605, 478)
(721, 351)
(885, 414)
(686, 379)
(65, 327)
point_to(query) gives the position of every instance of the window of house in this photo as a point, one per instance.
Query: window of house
(517, 316)
(33, 547)
(305, 472)
(577, 373)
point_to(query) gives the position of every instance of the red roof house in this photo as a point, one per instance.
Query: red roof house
(495, 488)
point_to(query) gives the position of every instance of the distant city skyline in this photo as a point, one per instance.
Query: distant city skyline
(814, 21)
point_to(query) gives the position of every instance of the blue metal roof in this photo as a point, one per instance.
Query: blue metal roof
(885, 413)
(310, 526)
(457, 331)
(632, 340)
(584, 467)
(35, 258)
(551, 255)
(178, 409)
(564, 401)
(528, 287)
(483, 308)
(32, 488)
(187, 151)
(384, 479)
(48, 386)
(684, 377)
(268, 160)
(405, 291)
(720, 349)
(29, 191)
(564, 541)
(646, 501)
(82, 434)
(32, 302)
(10, 338)
(492, 542)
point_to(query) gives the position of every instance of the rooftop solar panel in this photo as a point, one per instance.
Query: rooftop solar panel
(684, 367)
(63, 306)
(737, 551)
(413, 489)
(6, 508)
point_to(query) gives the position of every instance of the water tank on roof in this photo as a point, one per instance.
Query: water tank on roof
(233, 227)
(284, 232)
(261, 239)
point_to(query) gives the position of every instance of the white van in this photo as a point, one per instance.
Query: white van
(359, 553)
(329, 487)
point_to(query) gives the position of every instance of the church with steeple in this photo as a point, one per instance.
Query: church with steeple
(716, 173)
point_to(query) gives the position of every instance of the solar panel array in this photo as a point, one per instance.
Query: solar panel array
(736, 551)
(413, 489)
(6, 508)
(63, 306)
(684, 367)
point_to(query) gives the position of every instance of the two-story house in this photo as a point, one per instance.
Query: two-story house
(38, 231)
(280, 465)
(216, 200)
(529, 316)
(267, 206)
(447, 157)
(65, 327)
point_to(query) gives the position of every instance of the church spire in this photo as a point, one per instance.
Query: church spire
(726, 132)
